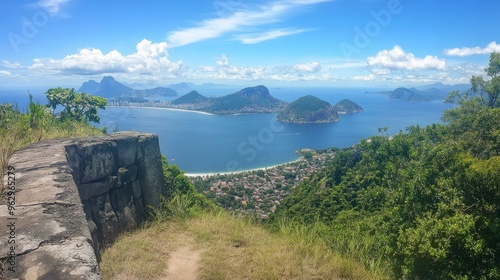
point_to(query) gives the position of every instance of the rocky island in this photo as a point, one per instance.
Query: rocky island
(308, 109)
(346, 106)
(407, 94)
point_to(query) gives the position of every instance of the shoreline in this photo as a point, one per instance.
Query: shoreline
(242, 171)
(165, 108)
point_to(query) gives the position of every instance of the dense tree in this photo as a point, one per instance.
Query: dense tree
(488, 90)
(425, 202)
(76, 106)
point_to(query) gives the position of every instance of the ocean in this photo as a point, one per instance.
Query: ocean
(203, 143)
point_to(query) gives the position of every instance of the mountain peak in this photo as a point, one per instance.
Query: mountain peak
(259, 90)
(190, 98)
(89, 87)
(346, 106)
(109, 87)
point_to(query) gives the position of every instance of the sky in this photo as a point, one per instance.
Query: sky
(354, 43)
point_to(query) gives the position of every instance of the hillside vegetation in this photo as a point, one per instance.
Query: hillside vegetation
(308, 109)
(36, 123)
(248, 100)
(229, 247)
(425, 204)
(346, 106)
(223, 245)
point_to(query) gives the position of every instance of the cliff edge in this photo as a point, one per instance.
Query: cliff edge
(66, 199)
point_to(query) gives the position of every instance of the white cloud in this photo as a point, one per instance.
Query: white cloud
(236, 21)
(369, 77)
(491, 47)
(269, 35)
(380, 71)
(224, 70)
(311, 67)
(397, 58)
(53, 6)
(223, 61)
(11, 65)
(5, 73)
(150, 58)
(468, 70)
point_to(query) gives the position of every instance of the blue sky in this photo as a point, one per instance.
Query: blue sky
(282, 42)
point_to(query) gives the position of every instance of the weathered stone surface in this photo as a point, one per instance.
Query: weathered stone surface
(99, 161)
(105, 219)
(136, 187)
(126, 151)
(122, 200)
(127, 175)
(149, 162)
(73, 197)
(67, 260)
(97, 188)
(48, 211)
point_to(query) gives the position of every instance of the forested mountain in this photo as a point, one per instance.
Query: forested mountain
(437, 91)
(248, 100)
(308, 109)
(190, 98)
(425, 203)
(346, 106)
(407, 94)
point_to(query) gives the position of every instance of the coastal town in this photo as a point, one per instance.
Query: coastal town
(259, 192)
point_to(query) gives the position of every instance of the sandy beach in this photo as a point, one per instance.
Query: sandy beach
(165, 108)
(242, 171)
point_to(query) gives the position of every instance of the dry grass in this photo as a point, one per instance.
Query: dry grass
(17, 134)
(232, 248)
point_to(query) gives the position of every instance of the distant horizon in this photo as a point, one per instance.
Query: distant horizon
(277, 43)
(235, 86)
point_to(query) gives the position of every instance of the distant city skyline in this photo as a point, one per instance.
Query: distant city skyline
(277, 43)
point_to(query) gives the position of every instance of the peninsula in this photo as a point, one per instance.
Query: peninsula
(248, 100)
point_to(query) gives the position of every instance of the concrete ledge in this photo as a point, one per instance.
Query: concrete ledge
(73, 197)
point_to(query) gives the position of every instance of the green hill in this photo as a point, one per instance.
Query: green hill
(248, 100)
(308, 109)
(189, 98)
(346, 106)
(407, 94)
(424, 204)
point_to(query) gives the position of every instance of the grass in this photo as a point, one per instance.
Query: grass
(18, 130)
(231, 248)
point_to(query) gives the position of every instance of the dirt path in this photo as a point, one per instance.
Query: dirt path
(183, 264)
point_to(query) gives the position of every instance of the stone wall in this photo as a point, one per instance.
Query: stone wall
(72, 198)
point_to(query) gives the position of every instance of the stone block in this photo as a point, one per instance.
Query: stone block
(127, 175)
(136, 188)
(69, 205)
(97, 188)
(126, 151)
(71, 259)
(122, 201)
(105, 219)
(150, 172)
(98, 161)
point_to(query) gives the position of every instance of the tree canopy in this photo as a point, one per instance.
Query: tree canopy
(425, 203)
(76, 106)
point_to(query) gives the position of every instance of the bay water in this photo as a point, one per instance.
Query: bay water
(204, 143)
